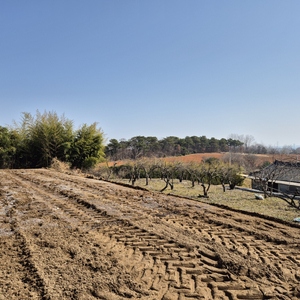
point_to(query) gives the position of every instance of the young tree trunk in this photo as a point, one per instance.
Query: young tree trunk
(147, 179)
(193, 182)
(133, 180)
(167, 180)
(265, 189)
(223, 185)
(204, 190)
(109, 174)
(208, 188)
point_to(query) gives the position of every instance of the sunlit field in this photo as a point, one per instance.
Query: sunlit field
(237, 199)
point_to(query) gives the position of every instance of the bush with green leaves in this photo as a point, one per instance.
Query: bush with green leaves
(7, 148)
(87, 148)
(36, 140)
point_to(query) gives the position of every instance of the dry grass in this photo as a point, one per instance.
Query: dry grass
(236, 199)
(60, 166)
(198, 157)
(63, 167)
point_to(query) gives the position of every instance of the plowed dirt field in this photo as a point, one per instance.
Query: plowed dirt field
(69, 237)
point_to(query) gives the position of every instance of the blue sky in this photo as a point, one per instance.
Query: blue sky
(155, 68)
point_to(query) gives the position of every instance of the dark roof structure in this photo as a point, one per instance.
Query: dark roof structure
(281, 171)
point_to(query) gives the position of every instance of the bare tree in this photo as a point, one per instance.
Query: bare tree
(297, 150)
(211, 171)
(167, 170)
(193, 169)
(181, 169)
(148, 166)
(292, 199)
(204, 173)
(133, 171)
(250, 162)
(233, 158)
(229, 174)
(265, 179)
(286, 150)
(248, 141)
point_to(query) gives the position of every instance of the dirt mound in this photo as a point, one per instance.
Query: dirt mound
(69, 237)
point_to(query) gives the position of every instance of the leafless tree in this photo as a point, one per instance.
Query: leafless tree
(266, 178)
(133, 170)
(148, 165)
(292, 199)
(167, 170)
(250, 162)
(286, 150)
(248, 140)
(233, 158)
(229, 173)
(193, 168)
(204, 173)
(297, 150)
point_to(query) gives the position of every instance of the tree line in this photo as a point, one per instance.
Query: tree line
(36, 140)
(141, 146)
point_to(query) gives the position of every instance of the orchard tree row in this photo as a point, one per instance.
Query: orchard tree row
(36, 140)
(208, 172)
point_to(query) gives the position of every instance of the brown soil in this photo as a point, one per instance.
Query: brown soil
(68, 237)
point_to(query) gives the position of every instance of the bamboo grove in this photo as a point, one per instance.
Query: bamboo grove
(36, 140)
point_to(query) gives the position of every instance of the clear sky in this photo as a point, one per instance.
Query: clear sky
(155, 68)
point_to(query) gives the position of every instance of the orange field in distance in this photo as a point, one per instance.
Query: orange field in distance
(198, 157)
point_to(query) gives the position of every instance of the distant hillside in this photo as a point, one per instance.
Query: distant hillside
(198, 157)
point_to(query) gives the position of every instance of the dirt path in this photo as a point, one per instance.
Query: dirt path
(67, 237)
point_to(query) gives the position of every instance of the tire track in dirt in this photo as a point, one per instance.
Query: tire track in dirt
(141, 246)
(30, 246)
(19, 277)
(263, 227)
(262, 261)
(257, 244)
(183, 272)
(17, 263)
(248, 251)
